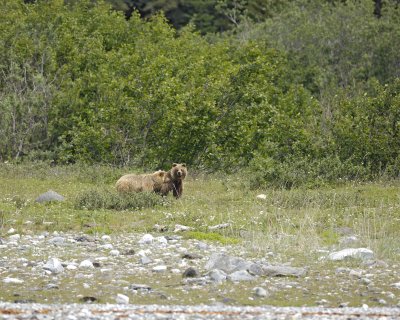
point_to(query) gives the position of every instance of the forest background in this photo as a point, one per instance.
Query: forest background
(289, 92)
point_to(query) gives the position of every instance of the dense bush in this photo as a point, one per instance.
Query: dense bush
(308, 95)
(105, 199)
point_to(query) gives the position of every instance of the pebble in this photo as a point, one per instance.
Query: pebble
(260, 292)
(146, 239)
(54, 265)
(86, 264)
(122, 299)
(15, 237)
(161, 268)
(114, 252)
(13, 280)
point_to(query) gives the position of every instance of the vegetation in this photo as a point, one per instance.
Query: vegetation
(292, 223)
(292, 92)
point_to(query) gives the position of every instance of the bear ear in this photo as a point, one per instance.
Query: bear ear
(183, 164)
(174, 164)
(161, 173)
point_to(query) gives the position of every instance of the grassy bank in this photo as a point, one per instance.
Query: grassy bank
(294, 223)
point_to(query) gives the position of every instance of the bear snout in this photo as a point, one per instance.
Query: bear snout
(179, 173)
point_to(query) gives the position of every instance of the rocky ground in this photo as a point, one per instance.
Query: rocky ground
(170, 270)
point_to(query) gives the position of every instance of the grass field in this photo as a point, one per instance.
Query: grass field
(292, 222)
(295, 227)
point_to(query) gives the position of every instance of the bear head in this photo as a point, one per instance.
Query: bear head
(178, 171)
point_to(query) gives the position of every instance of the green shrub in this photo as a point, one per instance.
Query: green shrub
(104, 199)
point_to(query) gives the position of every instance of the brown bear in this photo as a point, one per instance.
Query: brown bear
(143, 182)
(173, 180)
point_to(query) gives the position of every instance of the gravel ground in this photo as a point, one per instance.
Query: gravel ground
(112, 311)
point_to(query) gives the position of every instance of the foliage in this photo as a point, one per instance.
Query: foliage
(309, 94)
(104, 199)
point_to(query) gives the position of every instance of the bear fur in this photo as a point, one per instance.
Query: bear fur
(144, 182)
(173, 180)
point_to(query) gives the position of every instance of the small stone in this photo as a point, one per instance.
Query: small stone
(129, 252)
(14, 237)
(52, 286)
(122, 299)
(57, 240)
(261, 196)
(13, 280)
(71, 267)
(180, 228)
(107, 246)
(161, 268)
(49, 196)
(53, 265)
(11, 231)
(191, 256)
(360, 253)
(114, 252)
(217, 275)
(146, 239)
(219, 226)
(260, 292)
(191, 273)
(88, 299)
(396, 285)
(145, 260)
(241, 275)
(86, 264)
(106, 238)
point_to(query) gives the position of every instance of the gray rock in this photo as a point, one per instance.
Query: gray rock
(57, 240)
(240, 275)
(217, 275)
(276, 271)
(49, 196)
(359, 253)
(260, 292)
(54, 265)
(226, 263)
(86, 264)
(191, 256)
(140, 287)
(191, 273)
(145, 260)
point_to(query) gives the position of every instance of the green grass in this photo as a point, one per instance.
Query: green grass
(294, 222)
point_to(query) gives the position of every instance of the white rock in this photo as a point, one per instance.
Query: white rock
(86, 264)
(114, 252)
(13, 280)
(11, 231)
(106, 238)
(261, 196)
(219, 226)
(161, 268)
(107, 246)
(53, 265)
(162, 240)
(360, 253)
(14, 237)
(396, 285)
(146, 239)
(145, 260)
(71, 267)
(241, 275)
(179, 228)
(122, 299)
(260, 292)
